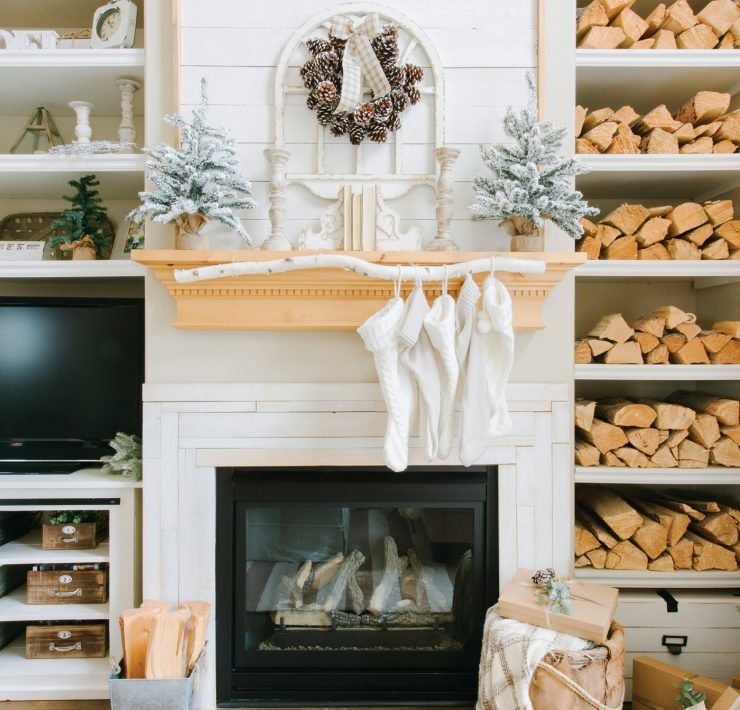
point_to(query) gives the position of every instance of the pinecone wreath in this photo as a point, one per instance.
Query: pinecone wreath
(374, 119)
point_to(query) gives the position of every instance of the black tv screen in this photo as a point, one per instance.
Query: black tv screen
(70, 368)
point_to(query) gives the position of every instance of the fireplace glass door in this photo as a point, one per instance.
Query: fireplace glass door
(355, 574)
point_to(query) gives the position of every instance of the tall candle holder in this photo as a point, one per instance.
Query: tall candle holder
(127, 129)
(442, 241)
(83, 130)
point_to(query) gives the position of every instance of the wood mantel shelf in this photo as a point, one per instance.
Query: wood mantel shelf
(326, 299)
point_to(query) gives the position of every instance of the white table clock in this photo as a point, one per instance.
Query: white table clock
(114, 25)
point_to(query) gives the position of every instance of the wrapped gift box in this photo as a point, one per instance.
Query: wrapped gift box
(75, 40)
(655, 685)
(590, 618)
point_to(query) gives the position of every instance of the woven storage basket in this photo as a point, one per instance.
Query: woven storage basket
(582, 680)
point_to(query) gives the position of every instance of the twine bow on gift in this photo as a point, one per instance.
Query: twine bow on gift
(359, 60)
(81, 34)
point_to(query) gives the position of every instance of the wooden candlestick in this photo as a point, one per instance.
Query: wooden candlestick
(83, 130)
(446, 158)
(277, 240)
(127, 129)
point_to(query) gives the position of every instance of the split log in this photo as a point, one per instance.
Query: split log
(632, 457)
(602, 38)
(663, 458)
(582, 561)
(659, 117)
(700, 234)
(676, 436)
(596, 118)
(655, 19)
(713, 341)
(717, 527)
(589, 228)
(646, 341)
(681, 250)
(699, 146)
(697, 37)
(730, 232)
(601, 136)
(673, 316)
(645, 43)
(654, 251)
(622, 248)
(685, 217)
(626, 556)
(597, 557)
(614, 7)
(624, 142)
(584, 539)
(708, 129)
(729, 129)
(606, 234)
(584, 147)
(323, 573)
(708, 555)
(732, 432)
(136, 628)
(653, 230)
(610, 459)
(664, 39)
(658, 356)
(729, 327)
(591, 246)
(580, 110)
(682, 553)
(719, 211)
(725, 453)
(690, 330)
(674, 522)
(584, 413)
(727, 41)
(424, 583)
(704, 430)
(719, 15)
(670, 415)
(729, 355)
(691, 353)
(616, 513)
(727, 411)
(624, 413)
(703, 506)
(654, 326)
(599, 347)
(659, 141)
(724, 146)
(674, 342)
(585, 453)
(627, 218)
(347, 569)
(167, 650)
(705, 107)
(626, 115)
(651, 537)
(596, 527)
(593, 15)
(644, 439)
(716, 249)
(679, 17)
(628, 353)
(685, 134)
(200, 614)
(682, 507)
(389, 579)
(692, 455)
(662, 563)
(582, 353)
(612, 327)
(734, 513)
(296, 584)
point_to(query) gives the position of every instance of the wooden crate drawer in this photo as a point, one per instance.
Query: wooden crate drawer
(58, 641)
(67, 587)
(71, 536)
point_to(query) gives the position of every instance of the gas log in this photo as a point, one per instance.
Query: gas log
(687, 231)
(666, 538)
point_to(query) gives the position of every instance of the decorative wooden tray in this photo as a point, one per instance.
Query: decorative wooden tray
(327, 299)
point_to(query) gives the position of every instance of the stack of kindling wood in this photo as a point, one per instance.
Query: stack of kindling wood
(668, 334)
(687, 231)
(702, 125)
(161, 643)
(656, 532)
(687, 430)
(611, 24)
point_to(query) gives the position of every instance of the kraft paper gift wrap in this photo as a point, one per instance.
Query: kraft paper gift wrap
(590, 618)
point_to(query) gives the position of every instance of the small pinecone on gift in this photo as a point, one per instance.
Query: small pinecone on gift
(399, 99)
(394, 122)
(363, 114)
(325, 113)
(383, 108)
(311, 74)
(414, 74)
(338, 44)
(543, 576)
(413, 93)
(395, 75)
(386, 49)
(327, 61)
(340, 124)
(325, 92)
(316, 46)
(377, 133)
(356, 133)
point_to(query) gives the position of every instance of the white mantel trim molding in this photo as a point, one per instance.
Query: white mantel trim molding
(191, 429)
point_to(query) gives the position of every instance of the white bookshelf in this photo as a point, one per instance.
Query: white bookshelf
(713, 475)
(27, 550)
(103, 269)
(679, 579)
(658, 373)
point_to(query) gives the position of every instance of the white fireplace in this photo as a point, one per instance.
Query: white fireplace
(192, 429)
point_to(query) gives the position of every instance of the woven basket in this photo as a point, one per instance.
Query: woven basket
(581, 680)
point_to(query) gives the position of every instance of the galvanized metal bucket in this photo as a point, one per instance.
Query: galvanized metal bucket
(174, 694)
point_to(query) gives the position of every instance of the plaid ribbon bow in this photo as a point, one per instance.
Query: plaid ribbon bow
(359, 59)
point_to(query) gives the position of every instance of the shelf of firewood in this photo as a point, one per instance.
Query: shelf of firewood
(712, 475)
(642, 579)
(657, 373)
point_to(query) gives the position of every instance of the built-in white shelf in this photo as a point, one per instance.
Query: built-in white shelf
(54, 77)
(697, 270)
(27, 550)
(51, 679)
(677, 177)
(714, 475)
(639, 579)
(13, 607)
(121, 175)
(89, 478)
(103, 269)
(646, 78)
(660, 373)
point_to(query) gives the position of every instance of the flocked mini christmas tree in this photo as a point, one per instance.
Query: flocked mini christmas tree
(127, 459)
(85, 224)
(530, 181)
(197, 182)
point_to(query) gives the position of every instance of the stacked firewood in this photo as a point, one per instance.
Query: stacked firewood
(611, 24)
(702, 125)
(656, 532)
(668, 334)
(686, 231)
(686, 430)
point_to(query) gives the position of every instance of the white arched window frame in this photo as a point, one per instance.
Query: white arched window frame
(326, 185)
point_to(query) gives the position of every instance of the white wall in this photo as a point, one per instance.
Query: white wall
(486, 46)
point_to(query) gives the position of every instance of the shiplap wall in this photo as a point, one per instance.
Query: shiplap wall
(486, 46)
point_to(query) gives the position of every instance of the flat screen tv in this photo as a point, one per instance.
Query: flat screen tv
(71, 372)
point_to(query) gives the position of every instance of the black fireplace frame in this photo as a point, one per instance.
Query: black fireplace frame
(361, 677)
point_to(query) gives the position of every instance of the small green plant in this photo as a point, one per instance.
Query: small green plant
(86, 217)
(75, 517)
(688, 696)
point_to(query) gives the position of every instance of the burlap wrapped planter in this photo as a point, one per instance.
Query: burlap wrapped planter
(598, 673)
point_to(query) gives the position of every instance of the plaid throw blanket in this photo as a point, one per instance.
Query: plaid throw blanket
(509, 657)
